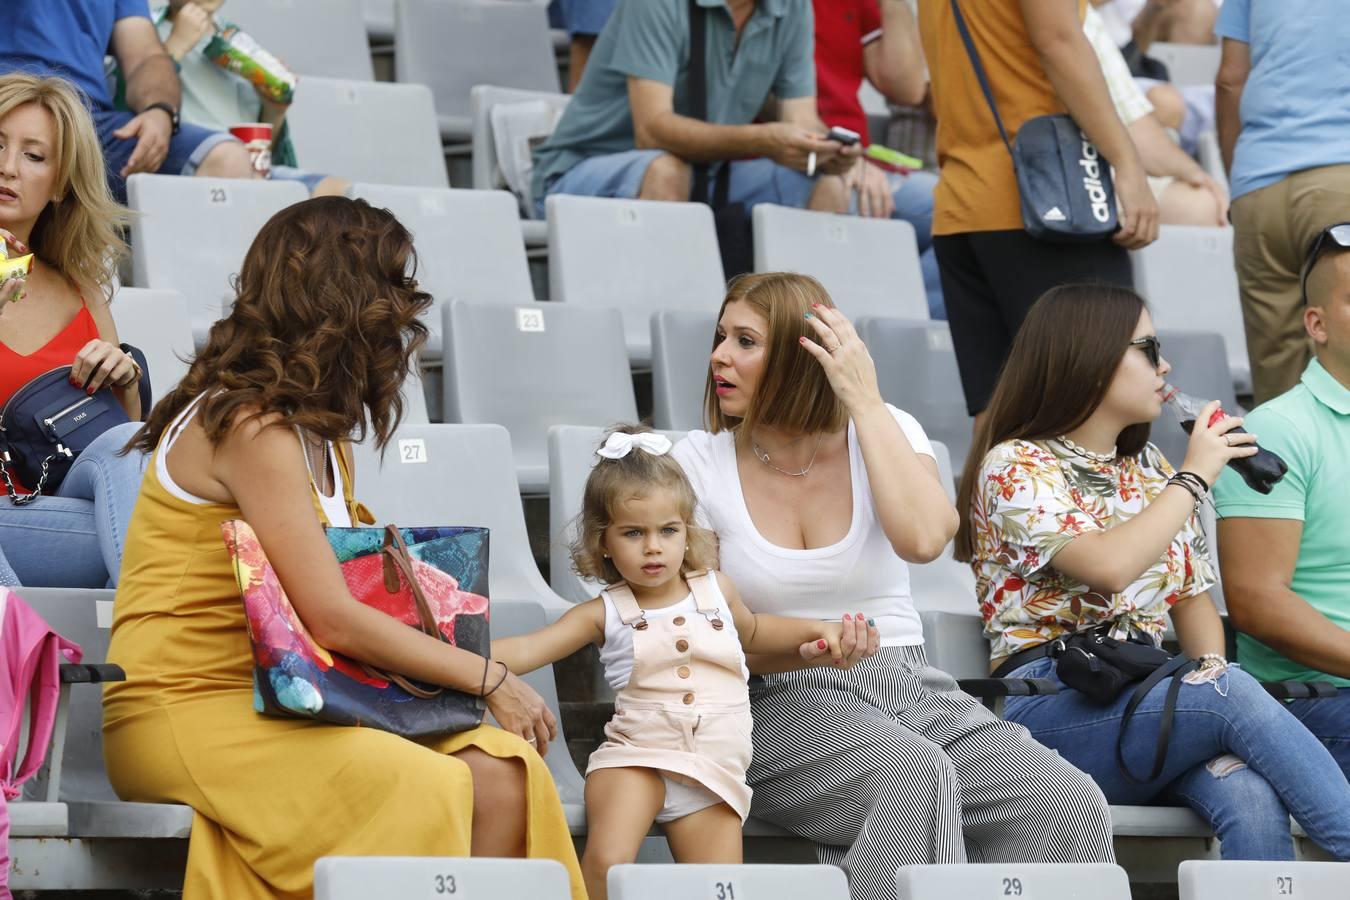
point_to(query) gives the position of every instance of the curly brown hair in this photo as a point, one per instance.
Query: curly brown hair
(322, 332)
(613, 481)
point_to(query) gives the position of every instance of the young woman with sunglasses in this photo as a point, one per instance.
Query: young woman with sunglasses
(1072, 520)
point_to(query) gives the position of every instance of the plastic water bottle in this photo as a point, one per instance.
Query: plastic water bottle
(1261, 471)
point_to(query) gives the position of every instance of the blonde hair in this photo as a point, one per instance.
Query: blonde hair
(613, 481)
(793, 393)
(78, 235)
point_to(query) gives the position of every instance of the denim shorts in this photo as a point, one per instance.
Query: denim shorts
(620, 175)
(187, 148)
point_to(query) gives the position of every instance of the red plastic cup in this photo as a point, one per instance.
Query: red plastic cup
(257, 137)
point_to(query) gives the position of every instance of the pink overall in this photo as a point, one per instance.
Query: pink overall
(30, 664)
(686, 708)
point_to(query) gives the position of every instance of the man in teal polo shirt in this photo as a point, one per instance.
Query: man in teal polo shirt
(1285, 556)
(629, 130)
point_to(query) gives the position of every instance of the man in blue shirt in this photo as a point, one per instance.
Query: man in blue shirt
(1283, 107)
(69, 38)
(629, 129)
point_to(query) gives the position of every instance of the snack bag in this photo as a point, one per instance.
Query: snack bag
(235, 51)
(20, 265)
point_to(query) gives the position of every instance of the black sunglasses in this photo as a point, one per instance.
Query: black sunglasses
(1338, 234)
(1152, 348)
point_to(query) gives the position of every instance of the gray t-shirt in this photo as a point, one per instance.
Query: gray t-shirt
(650, 39)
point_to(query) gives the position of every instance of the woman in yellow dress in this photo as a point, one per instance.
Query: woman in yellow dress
(315, 351)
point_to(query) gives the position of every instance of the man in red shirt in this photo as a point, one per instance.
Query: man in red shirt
(877, 40)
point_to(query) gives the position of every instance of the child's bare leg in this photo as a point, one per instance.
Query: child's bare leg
(621, 805)
(711, 835)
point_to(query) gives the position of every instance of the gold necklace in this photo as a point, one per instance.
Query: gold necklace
(763, 456)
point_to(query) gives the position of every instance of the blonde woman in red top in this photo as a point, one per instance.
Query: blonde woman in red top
(54, 202)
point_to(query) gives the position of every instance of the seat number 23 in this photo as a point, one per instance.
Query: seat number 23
(444, 886)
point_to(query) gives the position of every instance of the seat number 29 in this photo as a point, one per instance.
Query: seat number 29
(1012, 887)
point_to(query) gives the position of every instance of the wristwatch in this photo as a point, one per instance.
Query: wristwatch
(168, 108)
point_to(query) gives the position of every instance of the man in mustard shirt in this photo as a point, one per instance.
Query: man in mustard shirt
(1285, 556)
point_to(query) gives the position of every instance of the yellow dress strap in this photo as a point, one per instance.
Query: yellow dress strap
(357, 510)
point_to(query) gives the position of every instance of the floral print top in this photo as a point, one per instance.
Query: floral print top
(1034, 497)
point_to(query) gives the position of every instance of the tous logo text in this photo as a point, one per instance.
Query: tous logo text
(1092, 180)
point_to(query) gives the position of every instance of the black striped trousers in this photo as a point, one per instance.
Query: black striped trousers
(890, 764)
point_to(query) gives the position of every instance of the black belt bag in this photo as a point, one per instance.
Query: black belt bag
(1101, 667)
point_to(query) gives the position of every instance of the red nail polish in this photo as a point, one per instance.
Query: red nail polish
(801, 340)
(847, 617)
(821, 644)
(815, 306)
(89, 391)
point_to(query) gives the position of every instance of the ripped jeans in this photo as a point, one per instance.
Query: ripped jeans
(1280, 767)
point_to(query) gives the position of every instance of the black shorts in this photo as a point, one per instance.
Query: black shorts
(990, 279)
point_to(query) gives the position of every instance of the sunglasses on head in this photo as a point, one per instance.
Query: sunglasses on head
(1152, 348)
(1338, 235)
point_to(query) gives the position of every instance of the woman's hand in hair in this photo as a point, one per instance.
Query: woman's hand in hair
(520, 710)
(844, 357)
(1213, 446)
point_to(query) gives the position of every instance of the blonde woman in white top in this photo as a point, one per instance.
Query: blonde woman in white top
(821, 494)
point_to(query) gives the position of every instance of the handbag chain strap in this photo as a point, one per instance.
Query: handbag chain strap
(14, 496)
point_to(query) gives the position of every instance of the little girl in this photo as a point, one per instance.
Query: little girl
(673, 635)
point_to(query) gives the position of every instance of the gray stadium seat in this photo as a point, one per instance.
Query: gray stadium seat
(916, 370)
(870, 267)
(324, 38)
(1188, 279)
(415, 400)
(682, 342)
(157, 322)
(1188, 64)
(468, 245)
(397, 877)
(1252, 880)
(571, 454)
(452, 45)
(1199, 368)
(638, 256)
(712, 882)
(487, 168)
(944, 583)
(191, 235)
(531, 366)
(1042, 881)
(367, 131)
(378, 16)
(457, 475)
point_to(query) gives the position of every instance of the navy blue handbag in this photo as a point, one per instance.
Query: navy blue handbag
(49, 422)
(1065, 184)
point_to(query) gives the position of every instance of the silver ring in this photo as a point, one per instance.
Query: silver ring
(1228, 439)
(531, 740)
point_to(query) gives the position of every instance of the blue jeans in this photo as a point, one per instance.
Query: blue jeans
(1329, 721)
(912, 195)
(187, 148)
(75, 538)
(1282, 769)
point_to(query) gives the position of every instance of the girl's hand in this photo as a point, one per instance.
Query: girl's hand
(846, 642)
(100, 363)
(520, 710)
(844, 357)
(190, 24)
(1212, 446)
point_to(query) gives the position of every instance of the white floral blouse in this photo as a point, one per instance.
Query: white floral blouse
(1034, 497)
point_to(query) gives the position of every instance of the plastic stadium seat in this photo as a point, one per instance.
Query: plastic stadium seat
(452, 45)
(157, 322)
(571, 454)
(638, 256)
(363, 877)
(705, 882)
(415, 410)
(1188, 279)
(916, 370)
(1249, 880)
(870, 267)
(192, 234)
(367, 131)
(468, 245)
(1042, 881)
(324, 38)
(521, 108)
(682, 342)
(1188, 64)
(379, 18)
(1199, 368)
(456, 475)
(532, 366)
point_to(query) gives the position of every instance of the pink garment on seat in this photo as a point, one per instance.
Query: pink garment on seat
(30, 658)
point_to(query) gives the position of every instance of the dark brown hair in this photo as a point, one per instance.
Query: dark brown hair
(793, 393)
(1057, 374)
(322, 332)
(611, 482)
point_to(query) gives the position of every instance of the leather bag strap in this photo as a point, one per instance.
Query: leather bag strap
(398, 567)
(1174, 668)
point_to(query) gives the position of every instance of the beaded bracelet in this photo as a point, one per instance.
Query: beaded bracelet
(1189, 488)
(1208, 659)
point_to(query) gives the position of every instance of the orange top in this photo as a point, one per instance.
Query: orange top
(978, 190)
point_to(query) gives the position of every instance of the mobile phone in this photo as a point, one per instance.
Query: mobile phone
(845, 136)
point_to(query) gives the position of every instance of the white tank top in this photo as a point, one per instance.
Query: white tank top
(617, 653)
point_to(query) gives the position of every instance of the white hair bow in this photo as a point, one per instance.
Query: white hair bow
(620, 444)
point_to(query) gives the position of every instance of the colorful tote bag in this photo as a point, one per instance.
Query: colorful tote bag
(432, 579)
